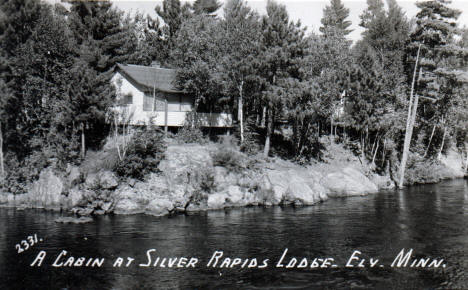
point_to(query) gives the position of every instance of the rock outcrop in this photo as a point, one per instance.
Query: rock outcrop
(189, 181)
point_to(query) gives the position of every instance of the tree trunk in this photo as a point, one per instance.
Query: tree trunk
(264, 111)
(2, 166)
(412, 109)
(240, 111)
(430, 140)
(362, 147)
(376, 140)
(83, 150)
(269, 131)
(466, 161)
(375, 153)
(439, 156)
(366, 141)
(383, 151)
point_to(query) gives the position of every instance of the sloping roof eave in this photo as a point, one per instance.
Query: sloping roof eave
(150, 78)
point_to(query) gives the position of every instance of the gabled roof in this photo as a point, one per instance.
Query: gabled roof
(149, 77)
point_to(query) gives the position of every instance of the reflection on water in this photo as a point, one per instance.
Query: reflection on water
(429, 219)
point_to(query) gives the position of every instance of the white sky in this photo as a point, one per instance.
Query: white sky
(308, 11)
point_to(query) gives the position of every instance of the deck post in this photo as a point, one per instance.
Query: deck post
(165, 115)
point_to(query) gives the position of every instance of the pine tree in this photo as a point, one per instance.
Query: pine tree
(432, 42)
(374, 10)
(173, 13)
(102, 39)
(283, 48)
(206, 6)
(334, 19)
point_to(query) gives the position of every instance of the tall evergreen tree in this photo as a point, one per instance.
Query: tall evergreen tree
(432, 44)
(283, 46)
(206, 6)
(374, 10)
(103, 38)
(173, 13)
(334, 19)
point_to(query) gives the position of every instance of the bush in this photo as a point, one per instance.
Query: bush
(20, 174)
(96, 161)
(145, 151)
(422, 171)
(227, 155)
(187, 134)
(204, 179)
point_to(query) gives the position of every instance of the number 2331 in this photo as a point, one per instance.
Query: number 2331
(24, 245)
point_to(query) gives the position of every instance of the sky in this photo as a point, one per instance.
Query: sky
(308, 11)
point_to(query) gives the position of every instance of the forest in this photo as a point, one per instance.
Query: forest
(395, 97)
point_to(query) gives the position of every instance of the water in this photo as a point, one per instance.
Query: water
(430, 219)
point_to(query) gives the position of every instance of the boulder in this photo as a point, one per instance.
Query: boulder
(180, 158)
(454, 162)
(108, 180)
(106, 206)
(127, 206)
(83, 211)
(92, 181)
(319, 190)
(235, 195)
(299, 191)
(217, 200)
(159, 207)
(74, 176)
(280, 184)
(251, 199)
(382, 182)
(220, 174)
(348, 182)
(76, 197)
(46, 191)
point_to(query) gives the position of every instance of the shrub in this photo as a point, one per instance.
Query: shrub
(187, 134)
(204, 179)
(228, 156)
(251, 144)
(96, 161)
(422, 171)
(145, 151)
(20, 174)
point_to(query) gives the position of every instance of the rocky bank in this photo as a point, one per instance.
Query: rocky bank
(189, 180)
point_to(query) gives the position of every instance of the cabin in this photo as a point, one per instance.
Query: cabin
(148, 95)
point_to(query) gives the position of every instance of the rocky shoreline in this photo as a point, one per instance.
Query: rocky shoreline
(190, 181)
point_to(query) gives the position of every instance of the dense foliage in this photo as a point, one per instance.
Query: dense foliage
(145, 151)
(285, 88)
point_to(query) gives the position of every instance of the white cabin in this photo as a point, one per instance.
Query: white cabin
(146, 94)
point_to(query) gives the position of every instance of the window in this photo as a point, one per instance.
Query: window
(128, 99)
(148, 103)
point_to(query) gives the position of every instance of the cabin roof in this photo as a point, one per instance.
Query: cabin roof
(161, 79)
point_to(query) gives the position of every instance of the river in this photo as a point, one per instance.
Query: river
(431, 219)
